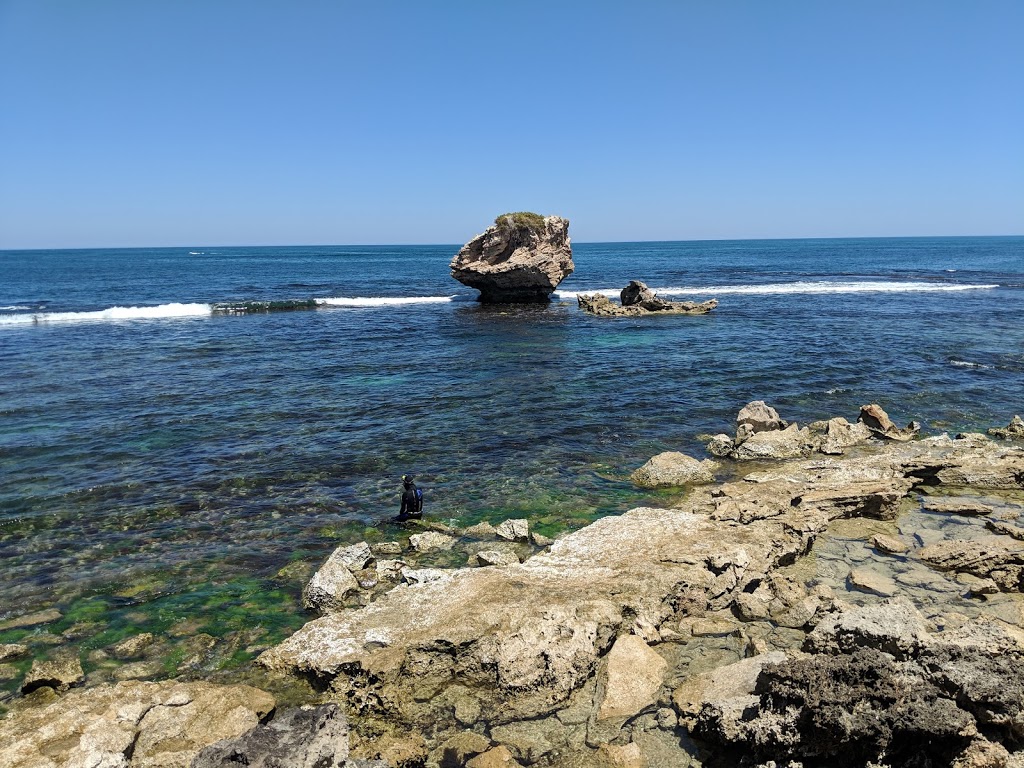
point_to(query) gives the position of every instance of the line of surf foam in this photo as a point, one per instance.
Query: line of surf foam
(383, 301)
(803, 286)
(159, 312)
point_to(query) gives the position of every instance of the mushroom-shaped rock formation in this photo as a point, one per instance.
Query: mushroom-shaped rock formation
(521, 258)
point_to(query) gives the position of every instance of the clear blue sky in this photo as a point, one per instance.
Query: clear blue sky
(146, 122)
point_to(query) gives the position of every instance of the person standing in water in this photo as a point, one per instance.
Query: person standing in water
(412, 500)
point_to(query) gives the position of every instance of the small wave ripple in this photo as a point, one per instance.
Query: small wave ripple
(802, 286)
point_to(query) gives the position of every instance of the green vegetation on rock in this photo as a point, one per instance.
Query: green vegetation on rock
(520, 219)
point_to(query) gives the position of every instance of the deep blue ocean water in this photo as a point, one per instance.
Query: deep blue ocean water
(142, 434)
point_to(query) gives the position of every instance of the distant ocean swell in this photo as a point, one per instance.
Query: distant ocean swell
(183, 310)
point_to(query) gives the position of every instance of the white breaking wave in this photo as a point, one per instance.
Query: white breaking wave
(966, 364)
(360, 301)
(822, 286)
(14, 307)
(160, 312)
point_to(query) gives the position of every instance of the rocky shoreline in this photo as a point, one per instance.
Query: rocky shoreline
(842, 594)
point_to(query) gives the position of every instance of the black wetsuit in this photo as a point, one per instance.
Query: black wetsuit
(412, 504)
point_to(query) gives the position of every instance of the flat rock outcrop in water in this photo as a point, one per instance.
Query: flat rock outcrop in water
(521, 647)
(521, 258)
(638, 300)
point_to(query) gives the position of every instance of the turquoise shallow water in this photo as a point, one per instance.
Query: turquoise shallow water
(159, 458)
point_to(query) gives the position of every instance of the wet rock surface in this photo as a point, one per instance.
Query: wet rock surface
(519, 259)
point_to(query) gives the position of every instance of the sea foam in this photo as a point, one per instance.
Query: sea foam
(160, 312)
(803, 286)
(361, 301)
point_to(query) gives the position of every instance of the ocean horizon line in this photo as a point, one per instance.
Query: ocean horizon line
(837, 238)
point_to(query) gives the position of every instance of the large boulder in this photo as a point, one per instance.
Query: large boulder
(631, 678)
(1012, 431)
(131, 723)
(60, 673)
(672, 468)
(878, 421)
(521, 258)
(327, 589)
(635, 293)
(789, 443)
(757, 416)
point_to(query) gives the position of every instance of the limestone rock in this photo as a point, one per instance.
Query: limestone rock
(876, 583)
(31, 619)
(499, 757)
(635, 292)
(789, 443)
(758, 416)
(387, 548)
(720, 446)
(672, 468)
(878, 421)
(632, 677)
(431, 540)
(1013, 431)
(10, 651)
(733, 681)
(133, 645)
(621, 755)
(327, 589)
(130, 723)
(955, 506)
(354, 557)
(895, 627)
(496, 557)
(601, 305)
(426, 575)
(457, 750)
(888, 544)
(390, 570)
(517, 529)
(887, 689)
(839, 434)
(518, 259)
(301, 737)
(999, 558)
(60, 673)
(480, 531)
